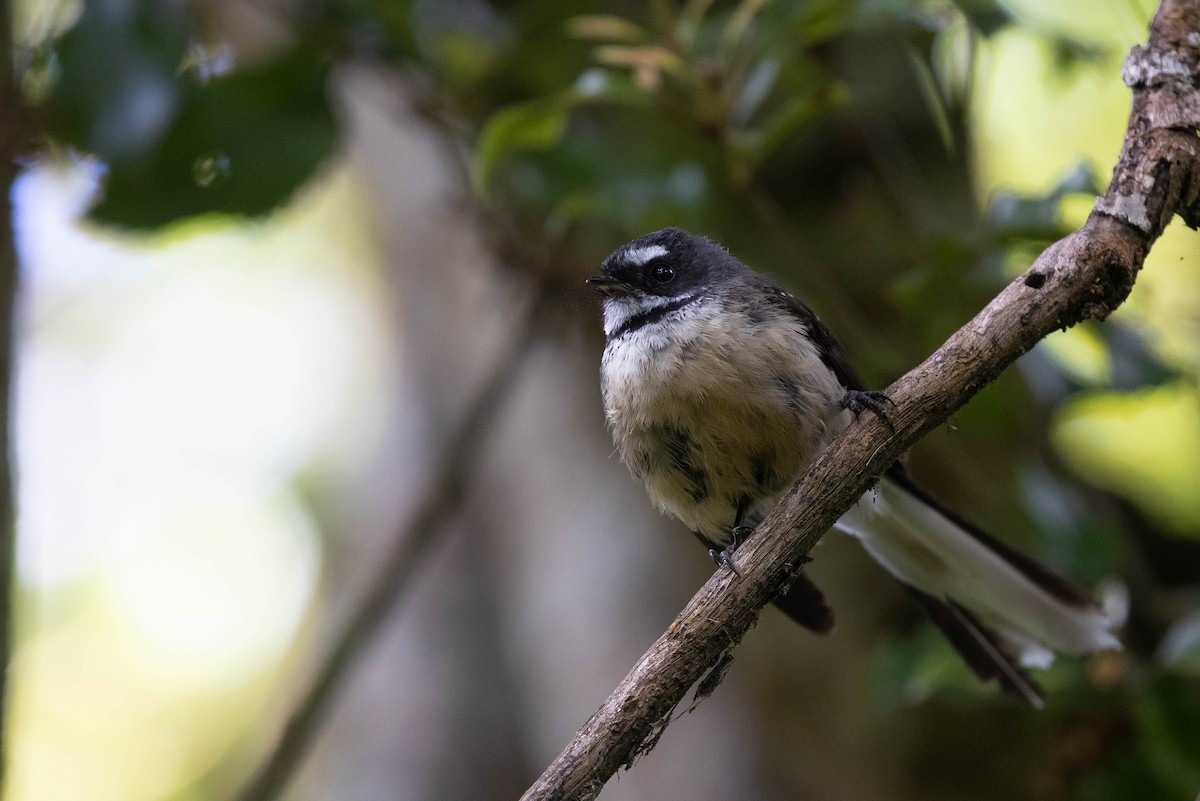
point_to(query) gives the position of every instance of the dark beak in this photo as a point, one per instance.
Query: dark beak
(607, 285)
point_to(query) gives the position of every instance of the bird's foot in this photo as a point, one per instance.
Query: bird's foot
(857, 400)
(724, 557)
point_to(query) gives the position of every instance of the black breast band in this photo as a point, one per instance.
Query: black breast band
(652, 315)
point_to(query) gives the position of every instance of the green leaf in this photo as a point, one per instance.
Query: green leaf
(935, 102)
(986, 16)
(599, 85)
(240, 145)
(117, 86)
(754, 146)
(651, 57)
(1170, 720)
(1179, 649)
(755, 89)
(691, 17)
(821, 20)
(734, 34)
(606, 27)
(532, 125)
(176, 140)
(1010, 214)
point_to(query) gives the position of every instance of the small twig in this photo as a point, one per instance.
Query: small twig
(1086, 275)
(413, 542)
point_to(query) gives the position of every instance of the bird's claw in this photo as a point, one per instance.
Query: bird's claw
(857, 400)
(724, 557)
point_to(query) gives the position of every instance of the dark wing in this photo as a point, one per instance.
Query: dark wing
(977, 646)
(834, 356)
(831, 351)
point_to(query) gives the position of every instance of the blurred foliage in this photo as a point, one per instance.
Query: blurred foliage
(845, 147)
(179, 132)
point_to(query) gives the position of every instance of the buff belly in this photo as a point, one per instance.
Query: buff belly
(710, 434)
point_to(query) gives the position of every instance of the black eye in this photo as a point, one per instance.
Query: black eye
(662, 273)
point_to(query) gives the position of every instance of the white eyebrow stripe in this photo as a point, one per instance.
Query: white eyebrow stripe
(639, 256)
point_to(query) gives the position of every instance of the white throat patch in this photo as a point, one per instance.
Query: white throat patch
(619, 311)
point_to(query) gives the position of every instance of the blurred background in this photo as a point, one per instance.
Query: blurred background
(302, 324)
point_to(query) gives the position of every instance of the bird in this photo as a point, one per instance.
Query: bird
(720, 387)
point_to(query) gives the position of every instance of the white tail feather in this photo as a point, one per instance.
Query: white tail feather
(926, 550)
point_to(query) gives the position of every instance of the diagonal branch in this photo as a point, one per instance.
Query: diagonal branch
(1083, 276)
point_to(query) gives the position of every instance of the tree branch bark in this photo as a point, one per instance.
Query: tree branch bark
(1084, 276)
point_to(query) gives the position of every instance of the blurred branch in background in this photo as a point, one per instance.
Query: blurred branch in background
(441, 500)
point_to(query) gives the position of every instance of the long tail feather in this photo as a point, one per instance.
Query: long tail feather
(1061, 588)
(978, 648)
(804, 603)
(1019, 606)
